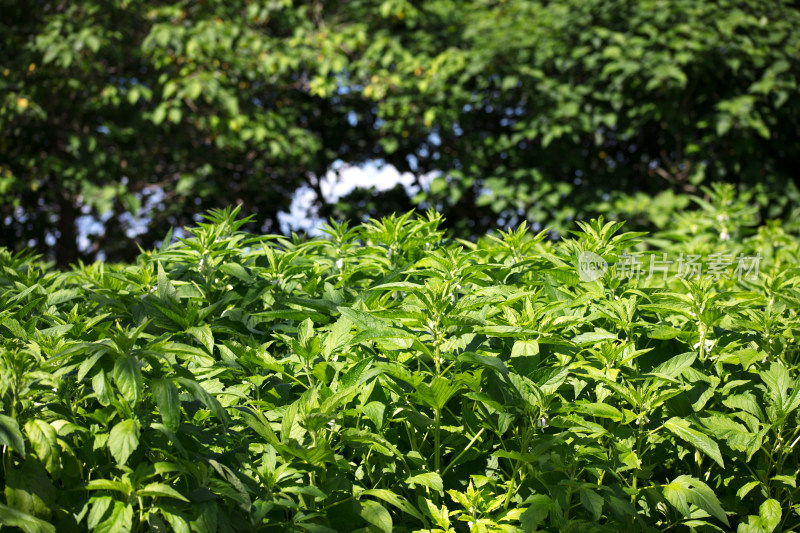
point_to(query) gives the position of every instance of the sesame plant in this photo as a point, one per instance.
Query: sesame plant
(386, 378)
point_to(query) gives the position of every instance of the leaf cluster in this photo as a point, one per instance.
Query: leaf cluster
(387, 378)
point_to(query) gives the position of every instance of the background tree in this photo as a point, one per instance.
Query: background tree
(554, 110)
(109, 107)
(545, 110)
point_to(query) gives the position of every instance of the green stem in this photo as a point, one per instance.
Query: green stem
(311, 479)
(334, 504)
(285, 374)
(437, 439)
(447, 369)
(702, 346)
(568, 505)
(457, 457)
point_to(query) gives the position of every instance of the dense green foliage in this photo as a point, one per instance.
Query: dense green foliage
(529, 109)
(386, 378)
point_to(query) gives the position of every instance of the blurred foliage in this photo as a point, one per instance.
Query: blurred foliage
(539, 110)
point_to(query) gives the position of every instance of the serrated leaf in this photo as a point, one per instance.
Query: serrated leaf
(168, 401)
(24, 521)
(128, 378)
(375, 412)
(213, 405)
(673, 367)
(432, 480)
(375, 441)
(592, 502)
(362, 320)
(237, 271)
(354, 375)
(789, 481)
(166, 291)
(601, 410)
(375, 514)
(338, 336)
(494, 363)
(667, 309)
(100, 505)
(524, 348)
(204, 336)
(394, 499)
(29, 488)
(437, 394)
(256, 421)
(539, 507)
(290, 425)
(778, 382)
(770, 513)
(108, 484)
(439, 514)
(123, 440)
(161, 490)
(404, 337)
(120, 521)
(15, 328)
(62, 295)
(305, 331)
(701, 441)
(102, 388)
(745, 489)
(663, 332)
(704, 498)
(593, 337)
(89, 363)
(175, 520)
(745, 401)
(550, 380)
(10, 435)
(241, 494)
(44, 442)
(685, 490)
(313, 527)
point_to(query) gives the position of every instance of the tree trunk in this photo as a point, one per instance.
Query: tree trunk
(67, 243)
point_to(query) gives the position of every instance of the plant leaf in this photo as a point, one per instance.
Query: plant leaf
(701, 441)
(432, 480)
(394, 499)
(161, 489)
(685, 490)
(213, 405)
(45, 443)
(128, 378)
(168, 401)
(539, 507)
(123, 440)
(26, 522)
(770, 513)
(376, 514)
(10, 435)
(120, 521)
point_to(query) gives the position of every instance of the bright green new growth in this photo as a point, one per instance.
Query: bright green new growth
(389, 379)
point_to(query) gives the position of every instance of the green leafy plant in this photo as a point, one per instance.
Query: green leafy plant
(387, 378)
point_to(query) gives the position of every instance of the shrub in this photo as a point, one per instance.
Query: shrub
(387, 378)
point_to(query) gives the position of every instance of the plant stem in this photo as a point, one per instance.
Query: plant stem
(437, 440)
(457, 457)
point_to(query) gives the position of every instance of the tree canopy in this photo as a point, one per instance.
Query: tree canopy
(138, 114)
